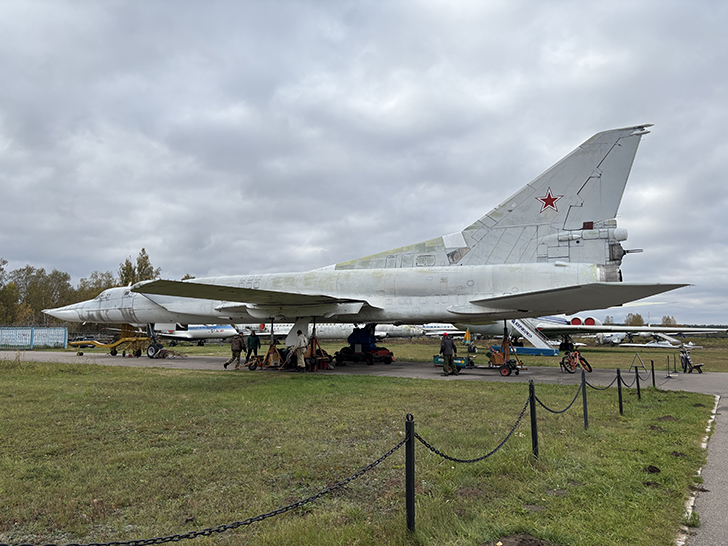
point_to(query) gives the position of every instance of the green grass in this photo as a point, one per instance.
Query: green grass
(92, 454)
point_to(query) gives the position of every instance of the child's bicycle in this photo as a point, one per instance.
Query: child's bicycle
(573, 360)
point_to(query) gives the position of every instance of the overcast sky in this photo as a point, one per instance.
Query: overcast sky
(230, 137)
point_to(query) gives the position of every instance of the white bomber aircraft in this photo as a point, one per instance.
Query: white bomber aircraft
(553, 247)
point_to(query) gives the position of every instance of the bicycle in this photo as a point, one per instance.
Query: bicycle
(574, 360)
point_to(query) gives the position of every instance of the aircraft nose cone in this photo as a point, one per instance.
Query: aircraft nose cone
(69, 313)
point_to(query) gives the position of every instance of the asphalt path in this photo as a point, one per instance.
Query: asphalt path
(710, 504)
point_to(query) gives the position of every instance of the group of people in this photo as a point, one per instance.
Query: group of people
(238, 343)
(252, 344)
(448, 350)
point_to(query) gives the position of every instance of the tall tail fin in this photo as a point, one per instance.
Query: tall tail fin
(565, 214)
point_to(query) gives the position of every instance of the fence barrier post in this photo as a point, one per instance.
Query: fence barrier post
(583, 400)
(637, 381)
(410, 471)
(652, 365)
(534, 429)
(619, 390)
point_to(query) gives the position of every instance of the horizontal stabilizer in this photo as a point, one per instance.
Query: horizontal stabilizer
(571, 299)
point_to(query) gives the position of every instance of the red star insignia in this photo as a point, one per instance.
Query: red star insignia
(549, 201)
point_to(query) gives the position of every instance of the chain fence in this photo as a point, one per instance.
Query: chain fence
(567, 408)
(602, 388)
(495, 449)
(631, 384)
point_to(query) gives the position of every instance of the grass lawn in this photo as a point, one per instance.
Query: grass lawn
(95, 454)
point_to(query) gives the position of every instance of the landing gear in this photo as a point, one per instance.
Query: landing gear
(154, 349)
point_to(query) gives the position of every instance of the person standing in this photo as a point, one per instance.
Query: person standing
(299, 349)
(448, 351)
(252, 344)
(236, 346)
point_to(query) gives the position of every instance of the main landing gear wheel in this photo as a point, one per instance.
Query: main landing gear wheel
(153, 350)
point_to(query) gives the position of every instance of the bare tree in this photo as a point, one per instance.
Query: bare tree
(38, 290)
(634, 319)
(129, 273)
(90, 287)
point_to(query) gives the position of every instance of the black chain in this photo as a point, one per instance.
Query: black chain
(444, 456)
(602, 388)
(563, 410)
(222, 528)
(635, 379)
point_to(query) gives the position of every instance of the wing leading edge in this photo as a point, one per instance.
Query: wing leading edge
(570, 299)
(255, 296)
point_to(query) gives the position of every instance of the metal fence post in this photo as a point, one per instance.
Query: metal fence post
(652, 365)
(534, 428)
(410, 471)
(583, 400)
(637, 381)
(619, 390)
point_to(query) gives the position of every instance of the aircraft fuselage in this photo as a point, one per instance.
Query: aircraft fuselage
(403, 295)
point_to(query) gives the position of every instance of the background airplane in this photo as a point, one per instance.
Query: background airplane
(661, 341)
(439, 328)
(566, 326)
(552, 247)
(194, 332)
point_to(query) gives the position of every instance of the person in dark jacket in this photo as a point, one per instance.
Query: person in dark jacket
(236, 346)
(252, 344)
(448, 350)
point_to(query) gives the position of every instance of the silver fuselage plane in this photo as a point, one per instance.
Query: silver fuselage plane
(553, 247)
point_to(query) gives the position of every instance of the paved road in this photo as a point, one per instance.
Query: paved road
(710, 505)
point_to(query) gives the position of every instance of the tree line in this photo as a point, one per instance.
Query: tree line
(26, 291)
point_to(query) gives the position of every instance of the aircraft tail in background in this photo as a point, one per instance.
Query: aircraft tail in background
(567, 214)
